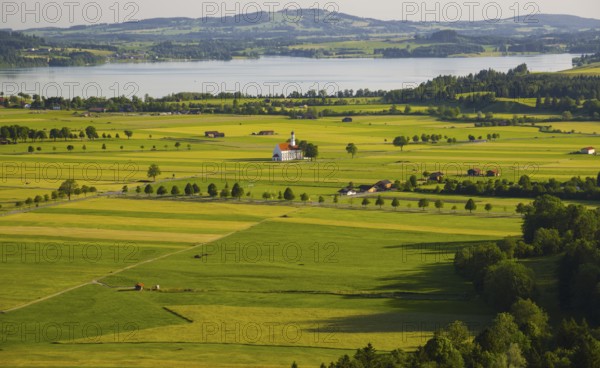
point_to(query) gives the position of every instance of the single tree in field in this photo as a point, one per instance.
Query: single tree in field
(266, 196)
(365, 202)
(175, 190)
(29, 202)
(154, 171)
(177, 145)
(148, 189)
(439, 204)
(336, 199)
(70, 148)
(128, 134)
(212, 190)
(237, 191)
(68, 187)
(138, 190)
(188, 190)
(288, 194)
(351, 149)
(304, 198)
(395, 204)
(104, 146)
(380, 202)
(125, 189)
(311, 151)
(423, 203)
(225, 192)
(161, 191)
(400, 142)
(90, 132)
(488, 207)
(321, 200)
(470, 206)
(196, 188)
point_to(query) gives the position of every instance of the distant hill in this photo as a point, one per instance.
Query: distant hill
(315, 25)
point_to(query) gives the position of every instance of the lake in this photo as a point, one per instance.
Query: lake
(264, 76)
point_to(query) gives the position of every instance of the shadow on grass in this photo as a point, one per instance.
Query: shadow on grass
(424, 296)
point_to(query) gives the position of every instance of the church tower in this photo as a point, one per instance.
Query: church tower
(293, 140)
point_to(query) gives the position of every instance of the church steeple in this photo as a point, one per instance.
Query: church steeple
(293, 139)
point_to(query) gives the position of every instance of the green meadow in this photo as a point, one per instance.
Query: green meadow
(252, 282)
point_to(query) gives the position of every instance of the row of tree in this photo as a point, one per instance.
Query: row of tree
(575, 188)
(19, 133)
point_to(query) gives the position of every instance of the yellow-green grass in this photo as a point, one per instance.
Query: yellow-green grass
(591, 69)
(98, 236)
(230, 159)
(367, 276)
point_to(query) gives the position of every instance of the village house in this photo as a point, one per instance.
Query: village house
(288, 151)
(347, 191)
(97, 109)
(588, 151)
(367, 188)
(474, 172)
(492, 173)
(214, 134)
(384, 185)
(437, 176)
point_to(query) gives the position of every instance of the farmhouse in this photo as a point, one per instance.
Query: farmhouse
(588, 151)
(97, 109)
(492, 173)
(383, 185)
(347, 119)
(436, 176)
(474, 172)
(367, 188)
(347, 191)
(214, 134)
(288, 151)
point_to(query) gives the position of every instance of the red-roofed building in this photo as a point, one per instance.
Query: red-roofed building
(288, 151)
(588, 151)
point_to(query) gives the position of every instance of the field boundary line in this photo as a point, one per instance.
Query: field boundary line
(97, 281)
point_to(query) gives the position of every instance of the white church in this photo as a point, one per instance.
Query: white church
(288, 151)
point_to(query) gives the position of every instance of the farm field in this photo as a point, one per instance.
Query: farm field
(250, 281)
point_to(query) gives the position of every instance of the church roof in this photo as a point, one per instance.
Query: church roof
(288, 147)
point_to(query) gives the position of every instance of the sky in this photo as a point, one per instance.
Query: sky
(23, 14)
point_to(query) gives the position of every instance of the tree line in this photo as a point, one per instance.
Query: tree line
(578, 188)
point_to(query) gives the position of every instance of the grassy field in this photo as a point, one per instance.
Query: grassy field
(251, 282)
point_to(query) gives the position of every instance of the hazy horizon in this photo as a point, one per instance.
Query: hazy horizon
(33, 14)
